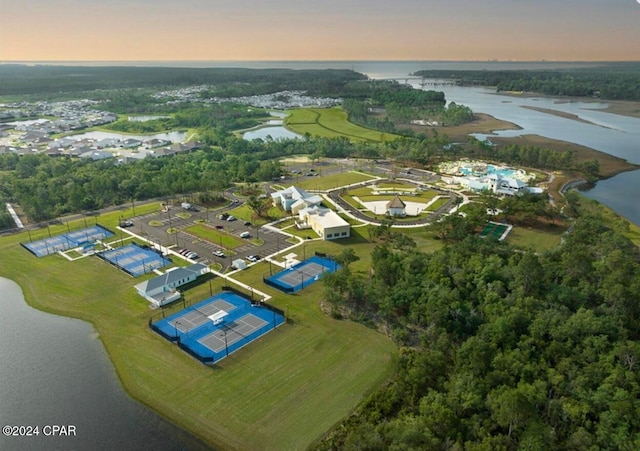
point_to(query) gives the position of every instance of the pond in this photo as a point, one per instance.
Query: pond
(146, 118)
(272, 132)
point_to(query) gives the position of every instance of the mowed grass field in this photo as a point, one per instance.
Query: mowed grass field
(327, 182)
(332, 123)
(284, 391)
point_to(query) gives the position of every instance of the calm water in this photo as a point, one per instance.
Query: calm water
(55, 371)
(145, 118)
(276, 132)
(621, 193)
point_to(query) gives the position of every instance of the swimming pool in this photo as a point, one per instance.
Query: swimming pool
(481, 170)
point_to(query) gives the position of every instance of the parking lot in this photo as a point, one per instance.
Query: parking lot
(156, 226)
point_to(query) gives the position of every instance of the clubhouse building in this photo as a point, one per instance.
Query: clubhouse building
(326, 223)
(162, 290)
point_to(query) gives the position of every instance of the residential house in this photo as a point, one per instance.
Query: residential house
(155, 142)
(130, 143)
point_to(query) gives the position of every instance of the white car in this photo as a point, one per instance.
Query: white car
(253, 258)
(218, 253)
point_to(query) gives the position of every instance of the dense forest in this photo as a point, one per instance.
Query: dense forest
(612, 81)
(224, 117)
(18, 79)
(500, 348)
(390, 106)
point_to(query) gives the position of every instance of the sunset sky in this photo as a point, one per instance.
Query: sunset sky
(138, 30)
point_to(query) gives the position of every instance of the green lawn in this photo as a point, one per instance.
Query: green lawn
(438, 203)
(332, 123)
(326, 182)
(215, 236)
(281, 392)
(245, 213)
(535, 239)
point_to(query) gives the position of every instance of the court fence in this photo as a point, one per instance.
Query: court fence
(207, 360)
(249, 295)
(281, 280)
(277, 286)
(70, 240)
(193, 340)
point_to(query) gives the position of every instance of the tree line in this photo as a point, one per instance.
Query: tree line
(613, 81)
(19, 79)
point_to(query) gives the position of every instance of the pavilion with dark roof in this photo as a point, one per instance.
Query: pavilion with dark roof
(396, 207)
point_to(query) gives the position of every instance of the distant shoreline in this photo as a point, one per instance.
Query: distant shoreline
(289, 63)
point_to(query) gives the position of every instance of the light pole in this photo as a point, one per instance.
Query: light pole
(175, 326)
(226, 346)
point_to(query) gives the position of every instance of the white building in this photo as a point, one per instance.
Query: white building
(162, 290)
(505, 186)
(326, 223)
(294, 199)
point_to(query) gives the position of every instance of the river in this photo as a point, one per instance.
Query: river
(56, 372)
(609, 133)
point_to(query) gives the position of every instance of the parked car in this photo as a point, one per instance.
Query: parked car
(245, 235)
(231, 218)
(218, 226)
(247, 223)
(126, 223)
(218, 253)
(253, 258)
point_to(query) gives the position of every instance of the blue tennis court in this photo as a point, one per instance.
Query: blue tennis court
(218, 326)
(301, 274)
(67, 241)
(135, 260)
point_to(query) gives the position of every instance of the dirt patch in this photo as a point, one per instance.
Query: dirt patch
(483, 123)
(573, 117)
(623, 107)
